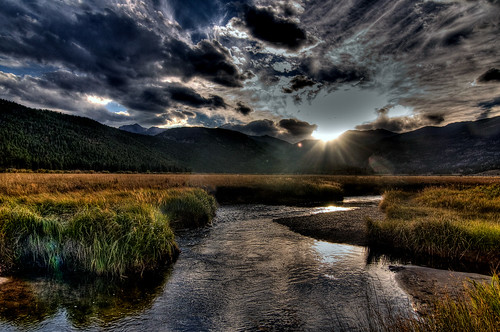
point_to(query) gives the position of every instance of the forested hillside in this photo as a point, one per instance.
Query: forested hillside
(40, 139)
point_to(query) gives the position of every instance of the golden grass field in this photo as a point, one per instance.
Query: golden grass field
(34, 183)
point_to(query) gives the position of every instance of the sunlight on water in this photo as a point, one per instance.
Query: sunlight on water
(334, 252)
(330, 208)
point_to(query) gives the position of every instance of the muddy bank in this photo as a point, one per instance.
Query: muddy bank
(339, 227)
(426, 285)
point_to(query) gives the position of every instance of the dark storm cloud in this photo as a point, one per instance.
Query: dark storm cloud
(182, 115)
(487, 106)
(32, 90)
(208, 59)
(107, 44)
(297, 83)
(333, 74)
(296, 127)
(410, 47)
(401, 123)
(457, 36)
(70, 82)
(191, 98)
(492, 75)
(197, 16)
(193, 15)
(110, 52)
(263, 24)
(111, 46)
(424, 54)
(243, 109)
(434, 119)
(157, 99)
(291, 130)
(189, 114)
(255, 128)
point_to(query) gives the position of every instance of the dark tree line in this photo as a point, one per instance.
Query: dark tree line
(40, 139)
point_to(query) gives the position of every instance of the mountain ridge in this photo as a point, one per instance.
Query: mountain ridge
(138, 129)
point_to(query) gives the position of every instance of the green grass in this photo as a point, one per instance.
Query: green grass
(460, 223)
(106, 232)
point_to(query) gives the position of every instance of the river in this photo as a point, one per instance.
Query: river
(243, 273)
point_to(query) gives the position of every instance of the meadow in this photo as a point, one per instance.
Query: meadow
(35, 183)
(53, 219)
(477, 310)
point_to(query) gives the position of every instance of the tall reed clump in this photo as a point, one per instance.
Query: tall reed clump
(106, 233)
(478, 311)
(453, 223)
(189, 209)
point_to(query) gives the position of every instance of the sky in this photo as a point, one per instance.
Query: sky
(292, 69)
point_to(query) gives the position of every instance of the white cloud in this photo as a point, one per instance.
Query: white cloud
(94, 99)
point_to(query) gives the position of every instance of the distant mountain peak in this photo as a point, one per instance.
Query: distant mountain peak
(138, 129)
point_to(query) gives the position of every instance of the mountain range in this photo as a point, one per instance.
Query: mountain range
(41, 139)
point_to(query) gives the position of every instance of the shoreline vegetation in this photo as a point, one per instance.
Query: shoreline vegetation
(122, 224)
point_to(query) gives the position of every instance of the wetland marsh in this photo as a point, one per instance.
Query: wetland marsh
(243, 271)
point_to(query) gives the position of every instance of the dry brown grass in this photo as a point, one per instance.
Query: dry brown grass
(35, 183)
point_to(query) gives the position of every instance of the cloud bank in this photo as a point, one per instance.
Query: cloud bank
(258, 66)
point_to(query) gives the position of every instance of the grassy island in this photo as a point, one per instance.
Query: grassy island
(108, 232)
(453, 222)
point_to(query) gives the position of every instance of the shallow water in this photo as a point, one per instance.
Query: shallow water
(245, 272)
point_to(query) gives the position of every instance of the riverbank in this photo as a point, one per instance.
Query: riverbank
(426, 285)
(454, 224)
(340, 227)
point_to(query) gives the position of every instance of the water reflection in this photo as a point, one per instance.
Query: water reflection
(27, 302)
(249, 273)
(336, 252)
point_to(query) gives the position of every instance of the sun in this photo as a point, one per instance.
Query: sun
(326, 136)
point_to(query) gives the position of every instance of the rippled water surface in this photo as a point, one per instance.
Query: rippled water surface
(245, 272)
